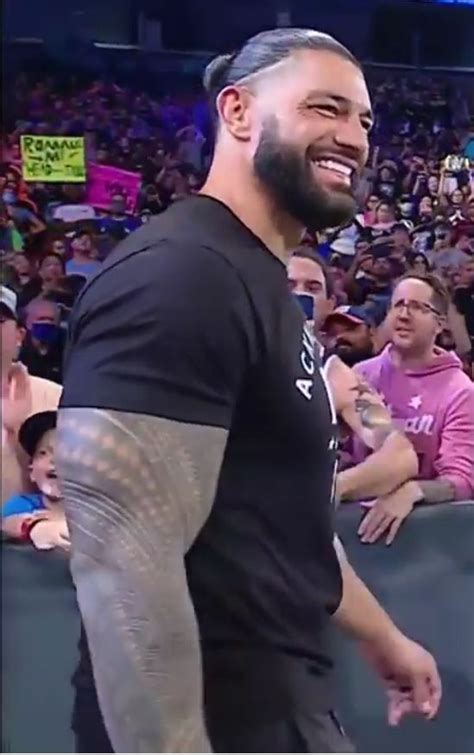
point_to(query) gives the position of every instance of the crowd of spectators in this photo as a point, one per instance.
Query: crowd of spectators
(416, 215)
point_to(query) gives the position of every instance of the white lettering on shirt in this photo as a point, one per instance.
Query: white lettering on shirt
(305, 385)
(420, 425)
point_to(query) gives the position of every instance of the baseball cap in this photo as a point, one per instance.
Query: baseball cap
(355, 314)
(8, 301)
(33, 429)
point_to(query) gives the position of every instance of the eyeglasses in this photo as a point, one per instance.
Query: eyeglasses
(414, 307)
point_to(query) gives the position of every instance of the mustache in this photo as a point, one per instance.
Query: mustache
(342, 342)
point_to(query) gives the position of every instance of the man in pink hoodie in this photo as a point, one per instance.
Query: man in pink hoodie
(430, 398)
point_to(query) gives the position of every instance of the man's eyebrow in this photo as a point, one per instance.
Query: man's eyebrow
(315, 93)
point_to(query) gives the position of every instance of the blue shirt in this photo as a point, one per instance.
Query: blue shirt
(127, 224)
(26, 503)
(87, 269)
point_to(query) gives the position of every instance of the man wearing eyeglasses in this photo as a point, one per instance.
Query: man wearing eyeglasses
(431, 400)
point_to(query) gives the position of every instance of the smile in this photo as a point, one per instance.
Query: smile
(339, 170)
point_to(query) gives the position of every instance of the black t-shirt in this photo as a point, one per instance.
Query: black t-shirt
(464, 301)
(190, 319)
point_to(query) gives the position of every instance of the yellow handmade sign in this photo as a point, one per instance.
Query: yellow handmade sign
(53, 159)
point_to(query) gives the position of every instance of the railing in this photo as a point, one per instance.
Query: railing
(425, 580)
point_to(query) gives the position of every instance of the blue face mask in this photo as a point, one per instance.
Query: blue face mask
(45, 332)
(9, 196)
(306, 303)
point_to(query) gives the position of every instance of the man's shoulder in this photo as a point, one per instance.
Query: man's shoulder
(195, 237)
(370, 366)
(44, 393)
(459, 385)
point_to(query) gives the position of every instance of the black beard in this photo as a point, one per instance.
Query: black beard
(289, 178)
(353, 356)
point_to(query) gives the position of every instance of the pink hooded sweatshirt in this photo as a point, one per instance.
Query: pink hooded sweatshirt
(434, 406)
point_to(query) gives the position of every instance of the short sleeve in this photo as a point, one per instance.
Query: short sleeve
(167, 331)
(21, 504)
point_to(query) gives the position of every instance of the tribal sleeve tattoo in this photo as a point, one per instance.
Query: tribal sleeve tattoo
(437, 491)
(138, 489)
(373, 413)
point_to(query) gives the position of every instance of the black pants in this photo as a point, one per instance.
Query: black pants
(254, 702)
(260, 701)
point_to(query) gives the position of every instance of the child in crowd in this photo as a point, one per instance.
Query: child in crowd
(38, 518)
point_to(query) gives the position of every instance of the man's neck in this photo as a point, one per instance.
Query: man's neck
(415, 360)
(251, 204)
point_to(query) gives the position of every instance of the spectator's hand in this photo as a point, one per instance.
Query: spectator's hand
(51, 532)
(388, 513)
(410, 674)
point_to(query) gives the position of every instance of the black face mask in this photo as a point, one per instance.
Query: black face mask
(288, 176)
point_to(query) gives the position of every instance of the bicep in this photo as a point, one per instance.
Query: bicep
(144, 479)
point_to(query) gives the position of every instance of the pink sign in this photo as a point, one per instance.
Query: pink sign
(103, 181)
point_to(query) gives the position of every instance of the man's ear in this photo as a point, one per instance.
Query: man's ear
(20, 335)
(234, 108)
(30, 472)
(442, 323)
(332, 303)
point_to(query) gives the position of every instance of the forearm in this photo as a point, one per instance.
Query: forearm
(359, 613)
(137, 491)
(144, 647)
(11, 525)
(380, 473)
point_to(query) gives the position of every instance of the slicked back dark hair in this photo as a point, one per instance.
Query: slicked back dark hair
(305, 253)
(263, 51)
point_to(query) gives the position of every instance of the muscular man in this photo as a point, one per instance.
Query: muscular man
(196, 439)
(358, 406)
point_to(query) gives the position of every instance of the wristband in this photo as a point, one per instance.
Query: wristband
(27, 525)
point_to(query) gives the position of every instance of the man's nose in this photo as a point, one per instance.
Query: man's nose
(351, 135)
(403, 313)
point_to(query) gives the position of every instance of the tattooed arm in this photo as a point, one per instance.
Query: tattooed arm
(393, 461)
(434, 491)
(137, 490)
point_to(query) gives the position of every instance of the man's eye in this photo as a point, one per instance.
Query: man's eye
(330, 110)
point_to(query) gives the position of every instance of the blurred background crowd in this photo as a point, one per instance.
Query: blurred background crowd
(416, 198)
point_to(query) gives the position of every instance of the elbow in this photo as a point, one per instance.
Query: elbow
(463, 486)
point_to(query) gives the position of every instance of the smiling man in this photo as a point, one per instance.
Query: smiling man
(197, 439)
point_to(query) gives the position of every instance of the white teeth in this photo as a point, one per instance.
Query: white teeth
(337, 167)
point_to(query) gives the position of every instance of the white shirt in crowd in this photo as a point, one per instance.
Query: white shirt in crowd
(72, 213)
